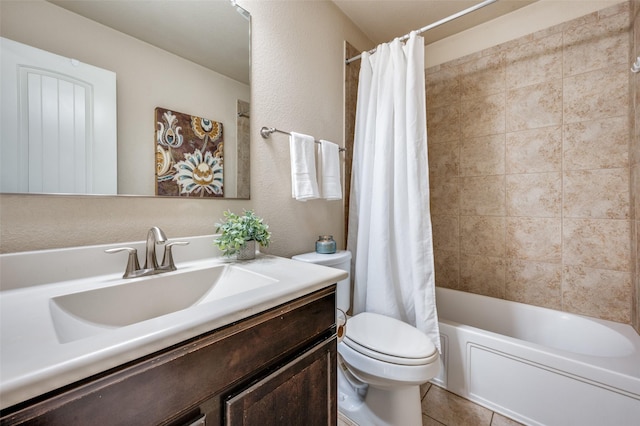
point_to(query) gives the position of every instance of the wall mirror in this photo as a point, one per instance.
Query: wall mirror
(189, 57)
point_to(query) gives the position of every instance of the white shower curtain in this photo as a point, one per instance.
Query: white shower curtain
(389, 219)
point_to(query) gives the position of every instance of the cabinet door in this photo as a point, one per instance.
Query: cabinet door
(302, 392)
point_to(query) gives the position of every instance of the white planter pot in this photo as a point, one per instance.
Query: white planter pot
(248, 252)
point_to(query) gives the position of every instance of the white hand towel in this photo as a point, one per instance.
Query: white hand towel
(304, 185)
(330, 163)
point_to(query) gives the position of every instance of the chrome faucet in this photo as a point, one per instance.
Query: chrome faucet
(155, 236)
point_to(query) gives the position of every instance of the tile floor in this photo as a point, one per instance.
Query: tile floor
(440, 407)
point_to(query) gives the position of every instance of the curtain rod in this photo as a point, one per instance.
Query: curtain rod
(435, 24)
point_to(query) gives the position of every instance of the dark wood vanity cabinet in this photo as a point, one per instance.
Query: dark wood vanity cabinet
(275, 368)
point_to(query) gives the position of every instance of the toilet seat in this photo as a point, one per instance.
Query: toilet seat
(388, 339)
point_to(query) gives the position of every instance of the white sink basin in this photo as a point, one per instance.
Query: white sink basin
(79, 315)
(73, 315)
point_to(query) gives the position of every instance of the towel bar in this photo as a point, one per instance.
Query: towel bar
(265, 132)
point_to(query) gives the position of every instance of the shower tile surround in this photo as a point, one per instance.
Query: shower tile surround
(634, 150)
(532, 172)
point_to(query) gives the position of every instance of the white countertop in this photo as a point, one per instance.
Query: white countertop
(33, 361)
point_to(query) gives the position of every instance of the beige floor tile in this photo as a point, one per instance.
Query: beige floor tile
(424, 389)
(500, 420)
(345, 421)
(428, 421)
(451, 409)
(442, 408)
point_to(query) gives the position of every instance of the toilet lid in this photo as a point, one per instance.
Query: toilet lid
(389, 339)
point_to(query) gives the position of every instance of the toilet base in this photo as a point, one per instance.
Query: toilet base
(379, 407)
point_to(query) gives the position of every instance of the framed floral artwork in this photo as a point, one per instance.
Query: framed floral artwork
(189, 155)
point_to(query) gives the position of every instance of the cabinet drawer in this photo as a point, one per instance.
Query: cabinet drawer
(169, 383)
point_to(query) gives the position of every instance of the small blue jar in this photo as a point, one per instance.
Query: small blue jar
(325, 244)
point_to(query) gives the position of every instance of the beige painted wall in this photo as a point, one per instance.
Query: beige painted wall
(297, 81)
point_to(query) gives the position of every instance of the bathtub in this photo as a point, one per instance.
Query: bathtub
(538, 366)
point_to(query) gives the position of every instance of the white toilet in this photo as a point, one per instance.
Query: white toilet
(382, 361)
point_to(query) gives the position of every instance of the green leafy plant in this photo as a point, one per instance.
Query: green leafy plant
(237, 230)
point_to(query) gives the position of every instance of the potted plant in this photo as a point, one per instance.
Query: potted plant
(238, 234)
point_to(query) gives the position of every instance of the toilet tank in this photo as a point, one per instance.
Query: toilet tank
(339, 260)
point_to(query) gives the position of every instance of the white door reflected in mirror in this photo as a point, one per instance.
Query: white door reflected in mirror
(59, 123)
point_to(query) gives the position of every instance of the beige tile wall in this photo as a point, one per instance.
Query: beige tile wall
(635, 167)
(530, 168)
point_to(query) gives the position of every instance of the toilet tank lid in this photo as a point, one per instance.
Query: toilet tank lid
(324, 259)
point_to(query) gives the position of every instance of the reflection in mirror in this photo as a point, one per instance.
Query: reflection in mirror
(191, 57)
(51, 139)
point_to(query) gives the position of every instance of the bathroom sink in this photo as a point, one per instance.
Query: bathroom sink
(79, 315)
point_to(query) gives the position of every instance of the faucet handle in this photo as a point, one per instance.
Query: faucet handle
(167, 260)
(132, 263)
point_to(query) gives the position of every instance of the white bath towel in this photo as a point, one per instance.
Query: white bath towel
(330, 169)
(304, 184)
